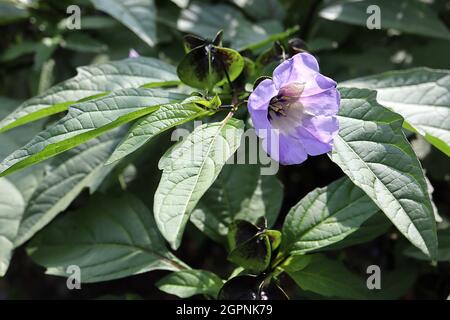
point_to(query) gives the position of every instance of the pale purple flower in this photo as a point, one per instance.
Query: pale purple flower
(295, 112)
(133, 54)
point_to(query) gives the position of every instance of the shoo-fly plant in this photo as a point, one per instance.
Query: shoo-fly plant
(156, 161)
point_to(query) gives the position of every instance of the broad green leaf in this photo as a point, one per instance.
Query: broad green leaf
(240, 192)
(330, 278)
(90, 82)
(137, 15)
(377, 225)
(163, 119)
(12, 205)
(110, 238)
(189, 169)
(443, 249)
(86, 121)
(409, 16)
(421, 96)
(206, 19)
(326, 216)
(188, 283)
(374, 153)
(68, 175)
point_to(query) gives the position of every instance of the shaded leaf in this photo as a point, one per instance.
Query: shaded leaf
(443, 253)
(240, 192)
(330, 278)
(409, 16)
(69, 174)
(187, 283)
(326, 216)
(206, 19)
(137, 15)
(12, 206)
(110, 238)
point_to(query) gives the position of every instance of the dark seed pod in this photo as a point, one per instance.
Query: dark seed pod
(296, 45)
(241, 288)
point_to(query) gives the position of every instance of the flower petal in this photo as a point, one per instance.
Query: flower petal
(303, 68)
(260, 97)
(260, 123)
(312, 145)
(286, 150)
(323, 128)
(325, 103)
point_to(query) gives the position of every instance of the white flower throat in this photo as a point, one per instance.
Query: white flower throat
(285, 111)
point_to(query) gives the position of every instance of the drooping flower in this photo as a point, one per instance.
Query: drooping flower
(295, 112)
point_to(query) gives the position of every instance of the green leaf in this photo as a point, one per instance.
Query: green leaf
(16, 50)
(330, 278)
(262, 9)
(443, 249)
(163, 119)
(377, 225)
(189, 169)
(11, 12)
(12, 206)
(137, 15)
(96, 22)
(207, 66)
(240, 192)
(69, 174)
(110, 238)
(86, 121)
(373, 152)
(409, 16)
(326, 216)
(421, 96)
(206, 19)
(90, 82)
(396, 283)
(188, 283)
(296, 262)
(14, 139)
(83, 43)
